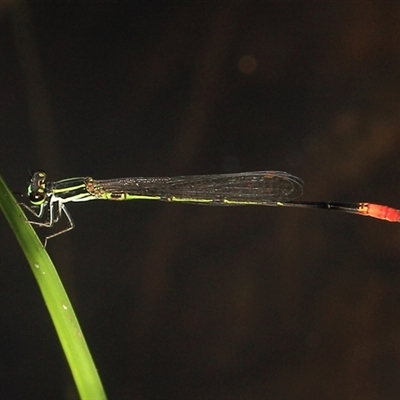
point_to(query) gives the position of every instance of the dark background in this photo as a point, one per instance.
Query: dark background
(184, 302)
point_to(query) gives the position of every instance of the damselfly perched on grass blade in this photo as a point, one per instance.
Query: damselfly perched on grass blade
(264, 188)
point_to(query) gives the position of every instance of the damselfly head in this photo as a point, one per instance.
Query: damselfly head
(37, 188)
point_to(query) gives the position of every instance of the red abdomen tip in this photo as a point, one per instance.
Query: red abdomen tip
(383, 212)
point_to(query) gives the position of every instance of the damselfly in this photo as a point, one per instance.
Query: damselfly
(264, 188)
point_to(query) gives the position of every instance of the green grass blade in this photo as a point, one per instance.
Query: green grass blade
(56, 299)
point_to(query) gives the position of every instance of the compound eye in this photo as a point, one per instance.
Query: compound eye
(37, 198)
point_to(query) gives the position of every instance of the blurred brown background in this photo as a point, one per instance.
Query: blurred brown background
(185, 302)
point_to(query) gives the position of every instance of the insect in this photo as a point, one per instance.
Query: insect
(264, 188)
